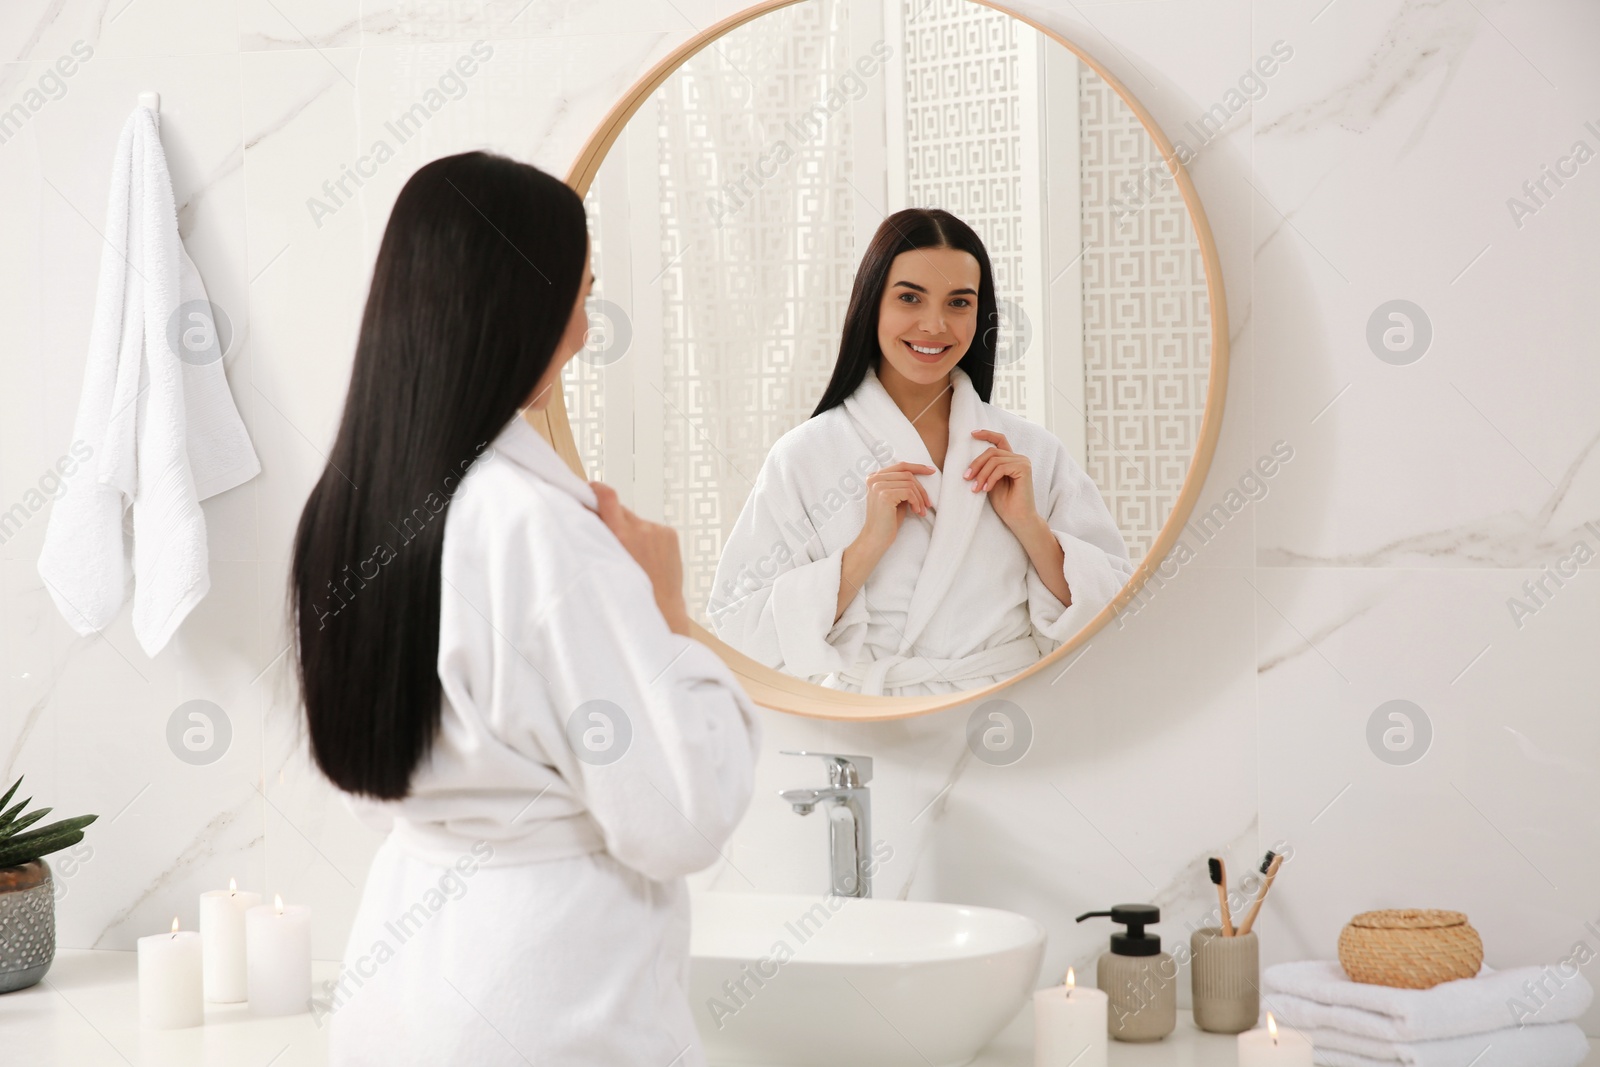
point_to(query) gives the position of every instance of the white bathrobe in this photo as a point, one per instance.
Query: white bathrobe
(955, 602)
(529, 905)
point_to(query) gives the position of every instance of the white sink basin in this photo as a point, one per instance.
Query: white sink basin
(797, 981)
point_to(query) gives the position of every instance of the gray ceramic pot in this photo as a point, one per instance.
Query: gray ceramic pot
(27, 924)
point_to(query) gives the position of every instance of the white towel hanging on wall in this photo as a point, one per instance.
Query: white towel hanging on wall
(156, 415)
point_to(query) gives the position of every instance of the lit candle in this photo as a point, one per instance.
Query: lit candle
(278, 957)
(1274, 1047)
(222, 941)
(169, 980)
(1070, 1025)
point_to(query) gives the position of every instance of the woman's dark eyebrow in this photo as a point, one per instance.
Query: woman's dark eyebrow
(953, 292)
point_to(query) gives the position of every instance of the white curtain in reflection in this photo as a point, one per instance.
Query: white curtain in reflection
(722, 234)
(757, 265)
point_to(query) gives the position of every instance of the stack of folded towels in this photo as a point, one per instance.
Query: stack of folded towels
(1522, 1017)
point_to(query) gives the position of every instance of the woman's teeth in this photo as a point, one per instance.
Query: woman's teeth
(933, 351)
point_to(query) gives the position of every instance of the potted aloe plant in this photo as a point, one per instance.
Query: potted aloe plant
(27, 897)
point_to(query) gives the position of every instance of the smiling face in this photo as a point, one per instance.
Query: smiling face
(928, 314)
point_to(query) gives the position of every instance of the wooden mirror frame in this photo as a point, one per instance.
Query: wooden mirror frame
(774, 689)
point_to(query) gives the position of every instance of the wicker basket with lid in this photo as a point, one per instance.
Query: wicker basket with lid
(1410, 948)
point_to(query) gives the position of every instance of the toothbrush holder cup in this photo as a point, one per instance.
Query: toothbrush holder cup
(1225, 976)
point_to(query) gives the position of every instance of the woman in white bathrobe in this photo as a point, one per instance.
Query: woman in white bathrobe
(911, 538)
(496, 672)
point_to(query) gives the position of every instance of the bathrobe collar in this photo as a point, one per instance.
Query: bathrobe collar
(956, 507)
(523, 445)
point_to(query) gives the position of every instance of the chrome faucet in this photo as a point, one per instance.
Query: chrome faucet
(849, 807)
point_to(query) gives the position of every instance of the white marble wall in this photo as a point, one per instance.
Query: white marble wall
(1230, 712)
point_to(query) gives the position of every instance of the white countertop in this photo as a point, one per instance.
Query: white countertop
(1184, 1047)
(86, 1014)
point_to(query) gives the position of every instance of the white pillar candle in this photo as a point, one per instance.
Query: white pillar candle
(278, 958)
(169, 980)
(222, 941)
(1070, 1025)
(1274, 1046)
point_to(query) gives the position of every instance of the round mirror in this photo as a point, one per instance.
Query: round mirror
(908, 319)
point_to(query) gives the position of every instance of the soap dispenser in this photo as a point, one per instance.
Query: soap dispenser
(1140, 980)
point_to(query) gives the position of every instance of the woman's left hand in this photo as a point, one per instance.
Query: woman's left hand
(1008, 479)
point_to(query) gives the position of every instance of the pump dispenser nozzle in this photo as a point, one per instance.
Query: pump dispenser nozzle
(1135, 942)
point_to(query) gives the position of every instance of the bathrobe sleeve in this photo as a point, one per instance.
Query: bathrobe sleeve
(650, 729)
(1096, 564)
(777, 583)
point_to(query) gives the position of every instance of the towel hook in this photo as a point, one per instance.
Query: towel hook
(152, 100)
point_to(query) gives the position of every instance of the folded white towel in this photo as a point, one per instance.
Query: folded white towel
(133, 416)
(1558, 1045)
(215, 440)
(1317, 994)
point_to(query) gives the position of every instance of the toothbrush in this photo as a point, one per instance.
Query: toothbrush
(1269, 867)
(1219, 878)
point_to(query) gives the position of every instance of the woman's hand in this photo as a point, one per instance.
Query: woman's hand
(655, 548)
(1007, 477)
(892, 493)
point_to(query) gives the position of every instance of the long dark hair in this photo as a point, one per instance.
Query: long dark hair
(915, 227)
(471, 293)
